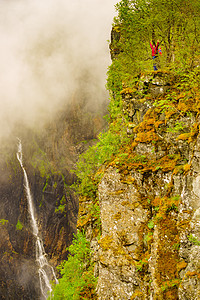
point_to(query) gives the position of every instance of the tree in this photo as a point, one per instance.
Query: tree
(174, 22)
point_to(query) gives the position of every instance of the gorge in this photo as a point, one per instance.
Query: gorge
(116, 200)
(52, 98)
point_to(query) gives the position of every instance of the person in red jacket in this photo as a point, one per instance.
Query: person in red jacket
(154, 49)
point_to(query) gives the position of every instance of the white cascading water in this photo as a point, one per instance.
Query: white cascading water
(45, 271)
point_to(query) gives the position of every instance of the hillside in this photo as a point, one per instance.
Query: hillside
(117, 201)
(139, 185)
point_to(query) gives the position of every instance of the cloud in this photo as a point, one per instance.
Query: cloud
(49, 49)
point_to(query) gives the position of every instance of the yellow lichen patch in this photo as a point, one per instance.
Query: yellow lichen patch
(147, 137)
(186, 168)
(181, 265)
(148, 124)
(115, 249)
(117, 216)
(137, 294)
(134, 144)
(83, 221)
(128, 180)
(128, 90)
(165, 205)
(130, 205)
(118, 192)
(105, 242)
(190, 136)
(182, 225)
(183, 136)
(193, 273)
(167, 256)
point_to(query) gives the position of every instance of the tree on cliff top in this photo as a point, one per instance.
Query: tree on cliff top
(176, 23)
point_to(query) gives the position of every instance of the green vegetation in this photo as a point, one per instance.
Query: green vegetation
(78, 281)
(176, 24)
(151, 224)
(61, 207)
(3, 221)
(42, 163)
(19, 225)
(108, 144)
(194, 240)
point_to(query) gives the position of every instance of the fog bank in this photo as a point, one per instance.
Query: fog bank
(49, 49)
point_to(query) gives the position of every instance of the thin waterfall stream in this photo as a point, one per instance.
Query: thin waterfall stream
(45, 271)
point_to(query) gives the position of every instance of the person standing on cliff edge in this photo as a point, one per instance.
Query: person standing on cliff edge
(154, 49)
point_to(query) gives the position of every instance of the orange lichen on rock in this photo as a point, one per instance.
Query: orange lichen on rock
(190, 136)
(128, 90)
(181, 265)
(83, 221)
(167, 257)
(137, 294)
(183, 136)
(192, 273)
(147, 137)
(148, 124)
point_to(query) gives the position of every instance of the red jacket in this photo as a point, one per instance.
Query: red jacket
(154, 48)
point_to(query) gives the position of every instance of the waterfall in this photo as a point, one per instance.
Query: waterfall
(45, 271)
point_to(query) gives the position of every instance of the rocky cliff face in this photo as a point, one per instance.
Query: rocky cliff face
(48, 158)
(149, 197)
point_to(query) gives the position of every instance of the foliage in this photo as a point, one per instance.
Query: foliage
(95, 214)
(175, 23)
(194, 240)
(3, 221)
(19, 225)
(142, 264)
(170, 284)
(138, 22)
(151, 224)
(107, 146)
(61, 208)
(42, 163)
(78, 281)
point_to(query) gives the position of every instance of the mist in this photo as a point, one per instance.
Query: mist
(49, 49)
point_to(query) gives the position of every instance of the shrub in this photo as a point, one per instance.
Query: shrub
(78, 281)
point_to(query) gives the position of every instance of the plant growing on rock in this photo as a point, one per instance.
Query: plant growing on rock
(78, 281)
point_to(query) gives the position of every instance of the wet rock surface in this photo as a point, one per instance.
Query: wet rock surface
(48, 157)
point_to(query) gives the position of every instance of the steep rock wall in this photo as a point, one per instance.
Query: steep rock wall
(149, 198)
(48, 157)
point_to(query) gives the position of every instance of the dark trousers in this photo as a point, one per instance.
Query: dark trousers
(154, 63)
